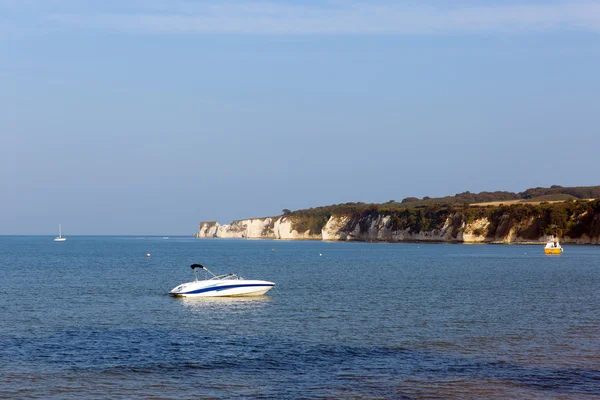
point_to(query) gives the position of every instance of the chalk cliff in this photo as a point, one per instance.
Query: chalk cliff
(380, 227)
(256, 228)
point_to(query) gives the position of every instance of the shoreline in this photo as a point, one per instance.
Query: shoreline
(495, 243)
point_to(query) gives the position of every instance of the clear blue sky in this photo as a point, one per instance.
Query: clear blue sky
(147, 117)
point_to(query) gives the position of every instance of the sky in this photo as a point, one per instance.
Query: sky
(148, 117)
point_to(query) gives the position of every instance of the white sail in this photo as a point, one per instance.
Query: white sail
(59, 238)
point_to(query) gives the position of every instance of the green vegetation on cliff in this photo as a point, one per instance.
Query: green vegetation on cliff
(552, 193)
(573, 217)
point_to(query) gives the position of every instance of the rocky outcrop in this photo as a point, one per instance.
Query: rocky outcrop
(380, 227)
(257, 228)
(207, 229)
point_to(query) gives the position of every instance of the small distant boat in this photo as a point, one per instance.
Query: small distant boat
(553, 247)
(222, 285)
(59, 238)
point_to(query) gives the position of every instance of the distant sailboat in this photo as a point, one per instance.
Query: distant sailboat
(59, 238)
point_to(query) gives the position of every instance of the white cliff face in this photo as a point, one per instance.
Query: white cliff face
(378, 228)
(257, 228)
(333, 229)
(283, 229)
(474, 232)
(236, 229)
(207, 230)
(338, 227)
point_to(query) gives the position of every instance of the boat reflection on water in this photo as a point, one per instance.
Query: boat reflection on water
(223, 300)
(231, 304)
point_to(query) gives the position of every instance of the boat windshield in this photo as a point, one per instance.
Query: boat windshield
(232, 277)
(196, 267)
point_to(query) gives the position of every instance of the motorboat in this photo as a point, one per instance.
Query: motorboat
(60, 237)
(220, 285)
(553, 247)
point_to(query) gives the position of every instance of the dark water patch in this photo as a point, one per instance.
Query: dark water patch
(214, 362)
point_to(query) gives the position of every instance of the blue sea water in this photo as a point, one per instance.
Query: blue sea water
(91, 318)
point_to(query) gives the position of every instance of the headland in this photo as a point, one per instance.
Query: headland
(529, 217)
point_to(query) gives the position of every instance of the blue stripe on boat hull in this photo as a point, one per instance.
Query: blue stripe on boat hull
(220, 288)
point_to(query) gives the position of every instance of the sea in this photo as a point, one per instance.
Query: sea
(91, 318)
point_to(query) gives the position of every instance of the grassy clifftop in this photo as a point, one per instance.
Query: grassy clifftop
(552, 193)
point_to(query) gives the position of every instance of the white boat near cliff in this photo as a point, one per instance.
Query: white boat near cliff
(553, 247)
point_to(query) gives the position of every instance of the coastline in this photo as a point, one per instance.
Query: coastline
(381, 228)
(483, 243)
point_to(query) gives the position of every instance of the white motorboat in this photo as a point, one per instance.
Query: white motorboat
(221, 285)
(59, 238)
